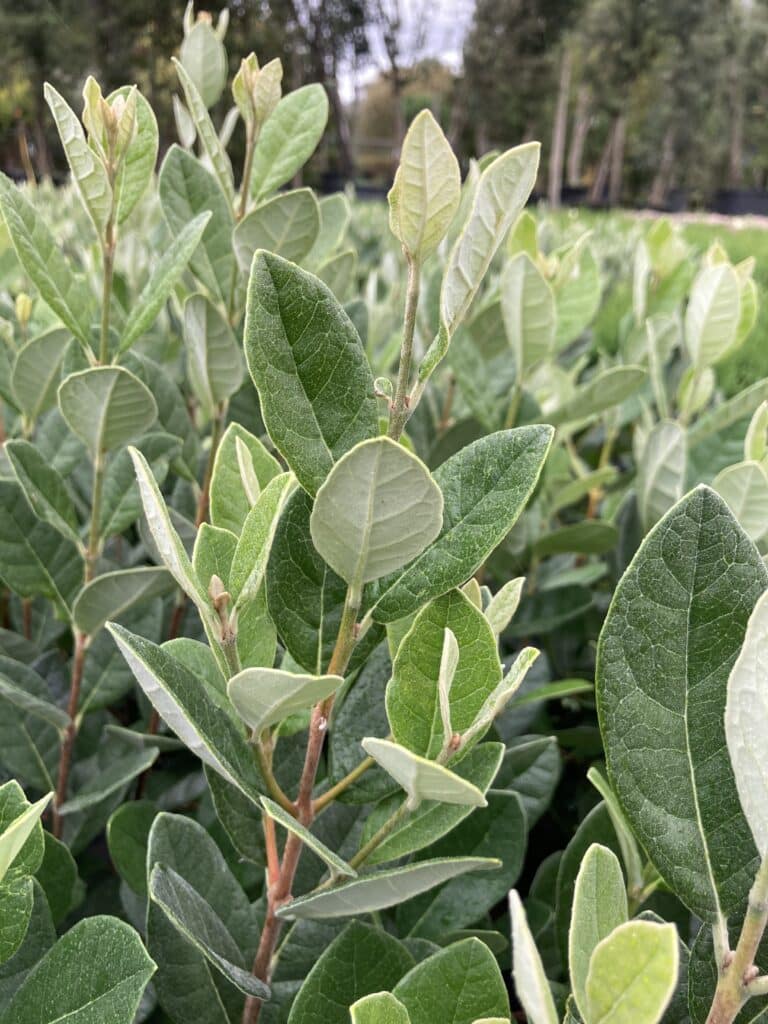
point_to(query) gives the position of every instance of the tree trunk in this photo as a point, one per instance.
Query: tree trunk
(601, 177)
(663, 179)
(736, 148)
(581, 122)
(559, 128)
(346, 158)
(617, 159)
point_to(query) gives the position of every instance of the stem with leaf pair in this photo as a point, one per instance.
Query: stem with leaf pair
(401, 406)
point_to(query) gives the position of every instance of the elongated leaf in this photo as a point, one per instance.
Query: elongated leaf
(457, 984)
(289, 138)
(42, 258)
(165, 273)
(501, 194)
(16, 904)
(632, 974)
(589, 537)
(306, 359)
(745, 489)
(207, 134)
(214, 363)
(379, 1008)
(577, 292)
(190, 710)
(673, 631)
(113, 779)
(43, 486)
(204, 58)
(252, 553)
(661, 473)
(37, 371)
(88, 172)
(282, 817)
(377, 510)
(105, 406)
(599, 906)
(107, 596)
(287, 225)
(140, 158)
(17, 834)
(485, 487)
(384, 889)
(504, 604)
(99, 967)
(420, 778)
(528, 307)
(531, 984)
(425, 195)
(603, 391)
(187, 189)
(199, 923)
(712, 314)
(265, 696)
(33, 705)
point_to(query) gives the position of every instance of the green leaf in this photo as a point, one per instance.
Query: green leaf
(287, 225)
(187, 189)
(528, 307)
(589, 537)
(725, 414)
(43, 486)
(360, 961)
(632, 974)
(206, 132)
(255, 542)
(420, 778)
(413, 704)
(335, 863)
(673, 631)
(425, 195)
(105, 406)
(240, 459)
(16, 902)
(605, 390)
(30, 744)
(338, 273)
(30, 704)
(127, 836)
(306, 359)
(661, 473)
(199, 923)
(458, 984)
(165, 273)
(121, 770)
(289, 138)
(43, 259)
(485, 487)
(21, 839)
(214, 363)
(377, 510)
(577, 292)
(335, 215)
(599, 906)
(112, 593)
(501, 194)
(37, 371)
(634, 861)
(239, 816)
(213, 553)
(204, 59)
(744, 487)
(58, 878)
(379, 1008)
(265, 696)
(59, 987)
(384, 889)
(712, 314)
(190, 710)
(138, 164)
(531, 768)
(36, 558)
(531, 984)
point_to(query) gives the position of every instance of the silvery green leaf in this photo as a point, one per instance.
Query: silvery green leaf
(43, 486)
(165, 273)
(204, 59)
(335, 215)
(371, 892)
(641, 272)
(377, 509)
(425, 195)
(695, 389)
(287, 225)
(420, 778)
(43, 259)
(16, 904)
(214, 363)
(379, 1008)
(199, 923)
(265, 696)
(504, 604)
(756, 437)
(37, 371)
(191, 710)
(599, 906)
(33, 705)
(724, 414)
(187, 188)
(503, 693)
(528, 308)
(531, 984)
(749, 306)
(501, 194)
(485, 487)
(306, 359)
(661, 472)
(109, 595)
(255, 542)
(288, 821)
(88, 172)
(744, 487)
(712, 314)
(106, 406)
(16, 834)
(455, 984)
(632, 974)
(58, 988)
(603, 391)
(212, 554)
(676, 624)
(120, 770)
(338, 273)
(289, 138)
(449, 659)
(634, 860)
(577, 291)
(138, 164)
(746, 713)
(240, 459)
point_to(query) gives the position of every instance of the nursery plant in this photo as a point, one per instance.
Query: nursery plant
(310, 517)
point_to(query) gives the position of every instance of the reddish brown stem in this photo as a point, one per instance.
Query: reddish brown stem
(26, 616)
(70, 735)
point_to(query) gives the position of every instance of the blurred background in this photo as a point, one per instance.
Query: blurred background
(658, 103)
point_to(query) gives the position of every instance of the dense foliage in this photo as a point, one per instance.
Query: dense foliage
(327, 541)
